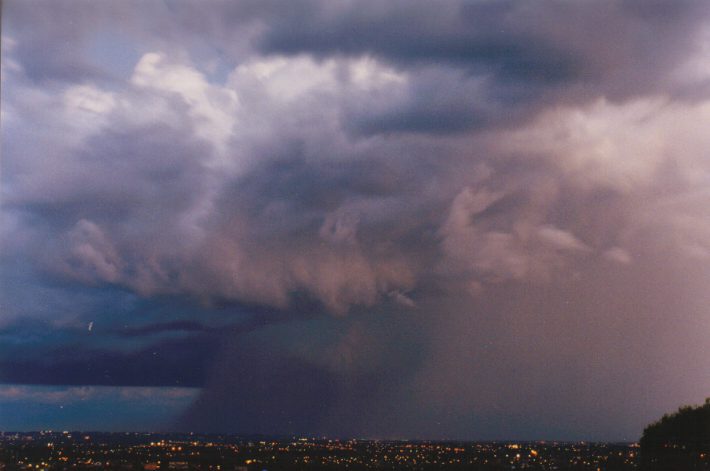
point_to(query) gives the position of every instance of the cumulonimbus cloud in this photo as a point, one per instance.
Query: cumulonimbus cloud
(388, 157)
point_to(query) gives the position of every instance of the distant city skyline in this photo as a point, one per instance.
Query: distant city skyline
(134, 451)
(484, 219)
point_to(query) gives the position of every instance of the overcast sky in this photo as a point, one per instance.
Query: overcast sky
(413, 219)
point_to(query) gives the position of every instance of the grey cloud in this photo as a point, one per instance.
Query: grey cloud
(553, 42)
(51, 37)
(435, 101)
(526, 54)
(454, 31)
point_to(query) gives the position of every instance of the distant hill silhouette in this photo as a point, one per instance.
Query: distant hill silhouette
(679, 441)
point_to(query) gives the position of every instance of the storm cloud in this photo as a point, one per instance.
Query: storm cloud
(480, 219)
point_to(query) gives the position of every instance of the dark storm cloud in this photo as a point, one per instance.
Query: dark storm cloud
(167, 363)
(515, 56)
(110, 338)
(360, 218)
(436, 102)
(467, 34)
(609, 47)
(180, 326)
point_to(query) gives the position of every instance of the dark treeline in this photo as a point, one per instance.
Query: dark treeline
(678, 441)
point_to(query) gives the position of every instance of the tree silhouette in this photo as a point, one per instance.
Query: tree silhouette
(679, 441)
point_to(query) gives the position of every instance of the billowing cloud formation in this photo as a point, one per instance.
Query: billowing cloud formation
(419, 158)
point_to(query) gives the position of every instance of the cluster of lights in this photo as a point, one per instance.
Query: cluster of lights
(150, 452)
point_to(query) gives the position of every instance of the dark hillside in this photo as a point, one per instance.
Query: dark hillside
(678, 441)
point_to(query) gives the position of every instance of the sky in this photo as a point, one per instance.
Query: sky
(483, 219)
